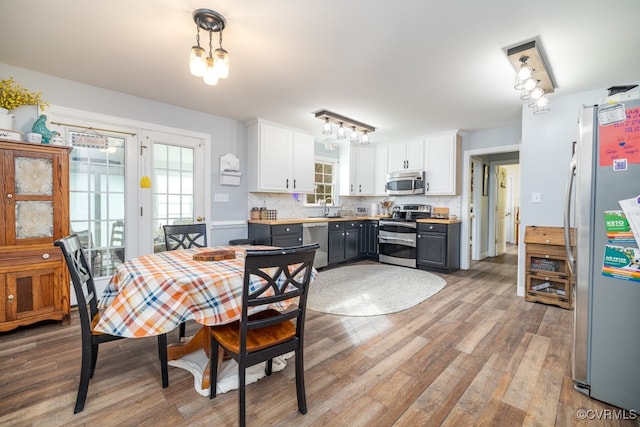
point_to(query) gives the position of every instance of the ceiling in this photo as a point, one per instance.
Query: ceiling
(408, 68)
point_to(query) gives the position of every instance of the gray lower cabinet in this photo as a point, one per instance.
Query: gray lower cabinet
(344, 241)
(438, 247)
(281, 235)
(369, 239)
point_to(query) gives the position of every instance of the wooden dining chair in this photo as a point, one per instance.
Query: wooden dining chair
(270, 276)
(184, 236)
(85, 291)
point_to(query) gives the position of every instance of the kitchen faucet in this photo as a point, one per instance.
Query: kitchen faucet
(326, 206)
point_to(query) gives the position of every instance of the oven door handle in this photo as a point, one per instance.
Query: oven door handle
(383, 239)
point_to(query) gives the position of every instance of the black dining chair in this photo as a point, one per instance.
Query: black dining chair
(85, 291)
(268, 333)
(184, 236)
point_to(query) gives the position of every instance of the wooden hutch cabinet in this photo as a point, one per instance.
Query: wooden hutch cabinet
(547, 277)
(34, 212)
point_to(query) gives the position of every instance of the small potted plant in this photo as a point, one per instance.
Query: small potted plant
(12, 96)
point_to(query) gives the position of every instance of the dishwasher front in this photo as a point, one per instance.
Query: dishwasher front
(317, 232)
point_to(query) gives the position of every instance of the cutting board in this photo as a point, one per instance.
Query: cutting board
(217, 255)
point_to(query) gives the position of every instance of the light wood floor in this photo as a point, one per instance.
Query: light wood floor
(474, 354)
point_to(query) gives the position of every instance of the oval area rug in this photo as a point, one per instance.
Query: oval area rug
(371, 289)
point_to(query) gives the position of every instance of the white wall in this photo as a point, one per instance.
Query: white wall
(226, 135)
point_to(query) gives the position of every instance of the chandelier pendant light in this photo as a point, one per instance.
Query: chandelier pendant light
(359, 131)
(216, 65)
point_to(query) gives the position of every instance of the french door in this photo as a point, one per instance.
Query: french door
(178, 192)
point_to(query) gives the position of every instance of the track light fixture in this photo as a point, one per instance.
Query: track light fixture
(359, 131)
(533, 77)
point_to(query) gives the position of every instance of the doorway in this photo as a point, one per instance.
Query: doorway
(478, 226)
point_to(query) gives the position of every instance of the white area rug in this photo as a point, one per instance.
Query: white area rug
(197, 362)
(371, 289)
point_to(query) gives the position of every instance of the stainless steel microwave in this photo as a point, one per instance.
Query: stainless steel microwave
(405, 182)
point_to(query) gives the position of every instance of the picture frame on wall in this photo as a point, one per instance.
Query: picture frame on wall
(485, 180)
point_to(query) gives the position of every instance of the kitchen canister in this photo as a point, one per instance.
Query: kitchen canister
(374, 209)
(255, 213)
(263, 213)
(272, 214)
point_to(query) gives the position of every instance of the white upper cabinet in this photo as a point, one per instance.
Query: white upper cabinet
(357, 170)
(280, 160)
(442, 155)
(303, 163)
(407, 155)
(380, 172)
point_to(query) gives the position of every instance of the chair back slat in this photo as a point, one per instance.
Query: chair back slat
(185, 236)
(81, 278)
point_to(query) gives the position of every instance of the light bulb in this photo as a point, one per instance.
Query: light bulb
(221, 64)
(210, 77)
(536, 93)
(354, 135)
(326, 127)
(529, 84)
(197, 61)
(365, 137)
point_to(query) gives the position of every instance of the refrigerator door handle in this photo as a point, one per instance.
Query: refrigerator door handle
(571, 259)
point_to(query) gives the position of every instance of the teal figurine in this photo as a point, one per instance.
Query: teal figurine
(40, 126)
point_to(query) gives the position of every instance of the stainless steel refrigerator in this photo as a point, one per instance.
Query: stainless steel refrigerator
(605, 170)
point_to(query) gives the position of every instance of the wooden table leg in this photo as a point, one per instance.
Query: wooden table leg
(198, 341)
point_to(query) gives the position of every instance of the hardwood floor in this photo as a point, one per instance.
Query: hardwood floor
(473, 354)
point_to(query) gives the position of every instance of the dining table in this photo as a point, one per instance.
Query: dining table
(153, 294)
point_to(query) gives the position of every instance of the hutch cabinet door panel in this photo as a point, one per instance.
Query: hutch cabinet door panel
(32, 292)
(31, 204)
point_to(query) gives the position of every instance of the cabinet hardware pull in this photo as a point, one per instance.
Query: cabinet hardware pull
(9, 197)
(10, 298)
(294, 183)
(45, 256)
(287, 182)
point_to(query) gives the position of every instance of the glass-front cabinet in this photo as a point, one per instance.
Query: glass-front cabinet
(34, 212)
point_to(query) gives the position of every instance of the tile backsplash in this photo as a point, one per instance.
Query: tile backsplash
(292, 205)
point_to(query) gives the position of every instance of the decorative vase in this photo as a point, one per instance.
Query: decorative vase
(6, 119)
(25, 117)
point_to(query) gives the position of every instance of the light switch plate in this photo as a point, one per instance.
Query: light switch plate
(221, 197)
(535, 197)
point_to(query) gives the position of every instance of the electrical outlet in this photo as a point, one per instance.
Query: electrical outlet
(535, 197)
(221, 197)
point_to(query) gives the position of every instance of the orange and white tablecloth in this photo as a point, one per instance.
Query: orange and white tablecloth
(153, 294)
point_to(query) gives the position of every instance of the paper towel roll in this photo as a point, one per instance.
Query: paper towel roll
(374, 209)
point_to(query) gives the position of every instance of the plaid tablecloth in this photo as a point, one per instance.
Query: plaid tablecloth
(153, 294)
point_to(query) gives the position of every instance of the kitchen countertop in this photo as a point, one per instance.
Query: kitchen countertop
(353, 218)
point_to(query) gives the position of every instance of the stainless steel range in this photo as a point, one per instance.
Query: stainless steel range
(397, 235)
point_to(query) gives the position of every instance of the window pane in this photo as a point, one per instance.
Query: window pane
(324, 183)
(174, 182)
